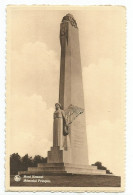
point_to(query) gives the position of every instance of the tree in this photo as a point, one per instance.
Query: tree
(39, 159)
(101, 167)
(26, 162)
(15, 163)
(18, 163)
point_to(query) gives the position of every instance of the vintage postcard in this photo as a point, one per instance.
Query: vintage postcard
(65, 82)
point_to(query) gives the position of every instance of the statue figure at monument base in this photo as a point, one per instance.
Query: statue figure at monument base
(60, 128)
(62, 125)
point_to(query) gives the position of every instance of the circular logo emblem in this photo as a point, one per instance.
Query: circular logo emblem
(17, 178)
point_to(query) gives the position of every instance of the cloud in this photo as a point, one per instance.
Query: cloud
(31, 125)
(103, 103)
(102, 91)
(35, 70)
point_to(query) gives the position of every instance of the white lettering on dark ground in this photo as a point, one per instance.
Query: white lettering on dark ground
(35, 179)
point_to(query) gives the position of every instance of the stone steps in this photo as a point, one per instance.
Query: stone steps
(66, 165)
(64, 168)
(36, 171)
(46, 168)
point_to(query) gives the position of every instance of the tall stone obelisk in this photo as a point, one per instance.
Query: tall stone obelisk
(71, 93)
(71, 87)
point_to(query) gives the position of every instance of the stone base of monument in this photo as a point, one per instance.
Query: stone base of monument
(62, 169)
(55, 165)
(62, 173)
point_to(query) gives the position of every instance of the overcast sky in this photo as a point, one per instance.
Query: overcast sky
(34, 50)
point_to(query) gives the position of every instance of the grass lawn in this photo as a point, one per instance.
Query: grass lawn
(71, 181)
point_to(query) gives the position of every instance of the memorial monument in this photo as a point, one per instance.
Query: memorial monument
(69, 153)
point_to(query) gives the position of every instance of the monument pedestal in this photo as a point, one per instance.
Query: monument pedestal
(56, 166)
(57, 155)
(62, 169)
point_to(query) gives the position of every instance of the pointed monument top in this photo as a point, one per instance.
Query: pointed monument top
(70, 15)
(70, 18)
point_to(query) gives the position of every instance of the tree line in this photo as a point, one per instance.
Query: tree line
(18, 163)
(101, 167)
